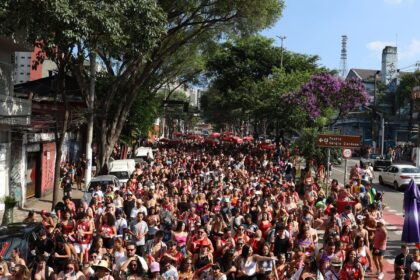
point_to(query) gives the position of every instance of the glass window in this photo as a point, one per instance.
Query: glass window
(410, 170)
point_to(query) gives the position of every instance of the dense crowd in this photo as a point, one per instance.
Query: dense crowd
(225, 212)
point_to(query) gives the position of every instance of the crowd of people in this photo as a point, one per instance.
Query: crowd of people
(224, 212)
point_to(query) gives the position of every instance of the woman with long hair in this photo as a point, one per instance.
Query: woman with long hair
(107, 230)
(62, 253)
(364, 254)
(352, 269)
(4, 271)
(68, 224)
(120, 254)
(180, 235)
(248, 261)
(98, 246)
(135, 270)
(186, 272)
(71, 272)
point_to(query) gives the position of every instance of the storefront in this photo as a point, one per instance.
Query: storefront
(33, 170)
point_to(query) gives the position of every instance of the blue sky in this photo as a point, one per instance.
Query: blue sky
(316, 26)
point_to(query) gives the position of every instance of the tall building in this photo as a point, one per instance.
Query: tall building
(24, 71)
(195, 96)
(15, 116)
(389, 64)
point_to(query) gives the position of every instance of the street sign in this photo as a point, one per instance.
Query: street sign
(335, 141)
(346, 153)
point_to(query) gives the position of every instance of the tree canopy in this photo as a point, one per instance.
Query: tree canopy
(246, 80)
(140, 43)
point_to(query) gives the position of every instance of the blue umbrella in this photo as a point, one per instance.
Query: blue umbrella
(411, 228)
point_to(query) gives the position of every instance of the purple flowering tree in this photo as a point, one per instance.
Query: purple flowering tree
(326, 96)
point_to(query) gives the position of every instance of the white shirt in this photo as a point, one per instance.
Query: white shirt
(142, 229)
(120, 225)
(329, 275)
(136, 210)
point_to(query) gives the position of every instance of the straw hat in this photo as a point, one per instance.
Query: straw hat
(102, 264)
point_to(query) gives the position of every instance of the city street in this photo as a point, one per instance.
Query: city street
(393, 214)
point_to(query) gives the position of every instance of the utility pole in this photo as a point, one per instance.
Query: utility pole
(282, 38)
(374, 107)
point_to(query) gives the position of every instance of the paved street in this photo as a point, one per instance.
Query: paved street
(393, 213)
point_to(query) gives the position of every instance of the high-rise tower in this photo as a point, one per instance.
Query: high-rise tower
(343, 56)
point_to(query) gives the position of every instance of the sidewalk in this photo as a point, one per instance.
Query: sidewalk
(38, 204)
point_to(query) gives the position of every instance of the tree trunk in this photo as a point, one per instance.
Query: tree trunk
(60, 134)
(91, 105)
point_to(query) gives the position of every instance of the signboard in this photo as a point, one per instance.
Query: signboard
(334, 141)
(346, 153)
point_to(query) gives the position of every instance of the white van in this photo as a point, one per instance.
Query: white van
(143, 153)
(122, 169)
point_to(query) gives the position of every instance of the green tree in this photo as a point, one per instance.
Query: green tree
(67, 32)
(190, 27)
(247, 82)
(407, 83)
(128, 39)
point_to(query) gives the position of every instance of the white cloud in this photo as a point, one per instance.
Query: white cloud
(378, 46)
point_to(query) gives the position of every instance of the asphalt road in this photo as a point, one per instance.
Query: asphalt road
(392, 198)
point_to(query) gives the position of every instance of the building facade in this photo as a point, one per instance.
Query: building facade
(15, 116)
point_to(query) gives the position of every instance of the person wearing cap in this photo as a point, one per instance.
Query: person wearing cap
(155, 271)
(379, 247)
(102, 271)
(129, 204)
(404, 259)
(347, 216)
(333, 272)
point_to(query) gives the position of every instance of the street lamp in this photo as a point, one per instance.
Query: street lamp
(374, 106)
(282, 38)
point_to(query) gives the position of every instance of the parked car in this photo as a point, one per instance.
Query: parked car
(381, 164)
(19, 235)
(102, 181)
(399, 175)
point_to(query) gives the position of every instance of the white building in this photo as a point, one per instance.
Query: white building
(195, 96)
(14, 116)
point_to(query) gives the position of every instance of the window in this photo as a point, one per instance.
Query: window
(22, 65)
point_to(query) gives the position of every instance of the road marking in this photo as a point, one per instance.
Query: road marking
(391, 227)
(392, 210)
(400, 214)
(398, 232)
(339, 170)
